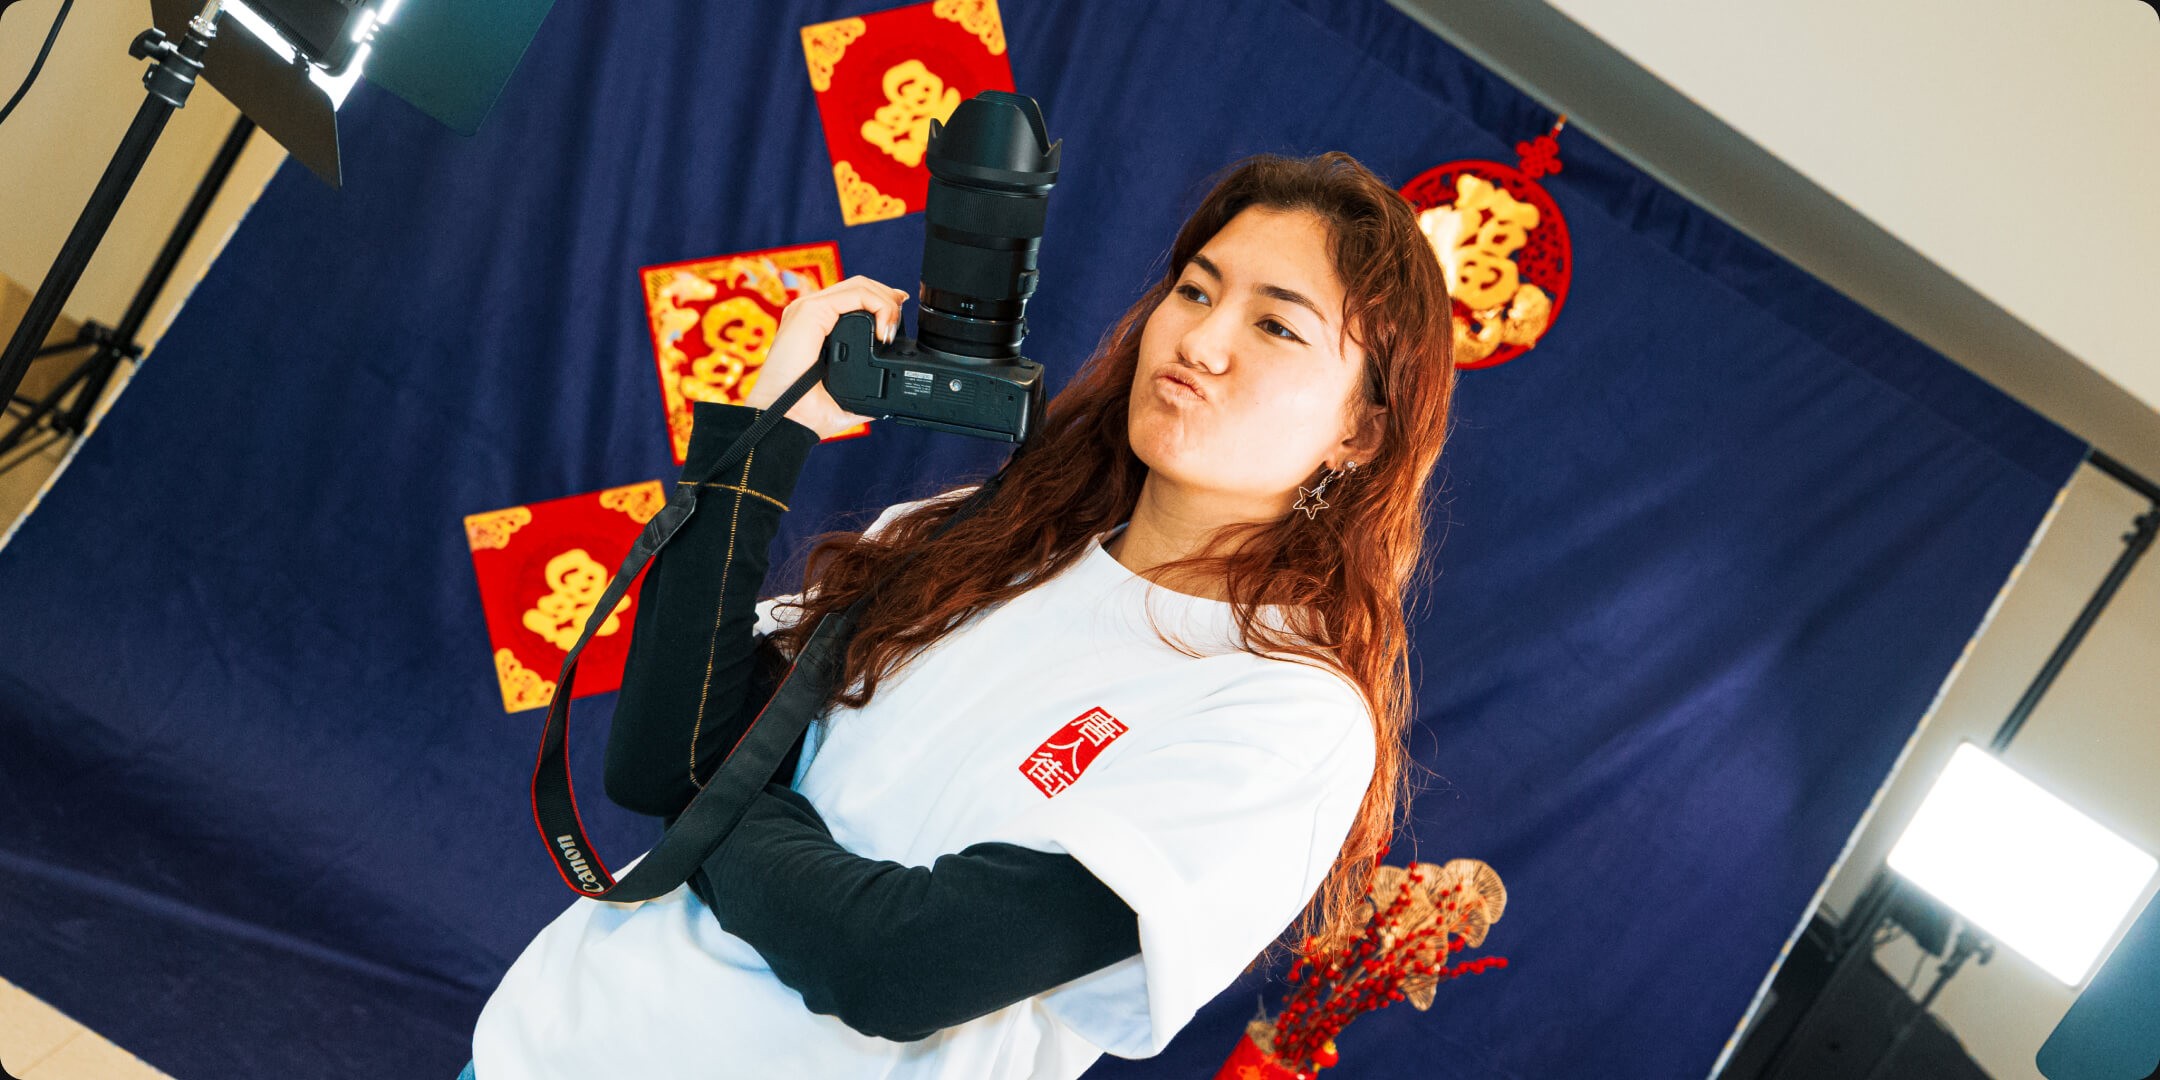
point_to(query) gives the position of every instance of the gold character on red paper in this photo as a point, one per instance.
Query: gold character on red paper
(737, 332)
(914, 96)
(575, 582)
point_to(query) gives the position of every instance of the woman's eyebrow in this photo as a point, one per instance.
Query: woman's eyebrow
(1275, 291)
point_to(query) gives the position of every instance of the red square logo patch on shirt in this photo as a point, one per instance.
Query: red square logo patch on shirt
(1062, 757)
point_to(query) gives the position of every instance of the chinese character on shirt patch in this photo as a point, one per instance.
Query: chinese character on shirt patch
(1060, 760)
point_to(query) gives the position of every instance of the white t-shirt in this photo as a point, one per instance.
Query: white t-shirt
(1211, 793)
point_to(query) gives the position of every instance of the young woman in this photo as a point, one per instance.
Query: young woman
(1097, 747)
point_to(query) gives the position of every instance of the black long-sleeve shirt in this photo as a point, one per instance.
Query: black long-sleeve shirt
(695, 677)
(894, 951)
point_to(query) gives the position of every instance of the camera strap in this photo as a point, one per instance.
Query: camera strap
(712, 814)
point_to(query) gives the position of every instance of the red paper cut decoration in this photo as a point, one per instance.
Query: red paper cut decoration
(713, 319)
(880, 80)
(1504, 246)
(542, 569)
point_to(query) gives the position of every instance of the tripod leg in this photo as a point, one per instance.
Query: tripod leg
(124, 342)
(49, 405)
(168, 82)
(75, 254)
(50, 438)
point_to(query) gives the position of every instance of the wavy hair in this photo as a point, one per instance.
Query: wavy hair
(1346, 574)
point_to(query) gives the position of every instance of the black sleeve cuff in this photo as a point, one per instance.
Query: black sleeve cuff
(902, 952)
(773, 465)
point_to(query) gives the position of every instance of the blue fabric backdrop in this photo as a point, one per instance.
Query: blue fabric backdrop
(1708, 551)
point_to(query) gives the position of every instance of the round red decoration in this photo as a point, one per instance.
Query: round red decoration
(1504, 245)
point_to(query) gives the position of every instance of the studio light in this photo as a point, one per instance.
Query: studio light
(2021, 864)
(287, 65)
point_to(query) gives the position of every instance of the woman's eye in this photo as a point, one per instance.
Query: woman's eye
(1271, 327)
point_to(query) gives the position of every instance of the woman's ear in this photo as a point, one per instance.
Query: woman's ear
(1367, 433)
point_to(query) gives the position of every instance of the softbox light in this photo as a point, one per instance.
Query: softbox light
(288, 64)
(2029, 869)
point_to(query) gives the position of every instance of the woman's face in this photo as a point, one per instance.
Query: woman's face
(1245, 378)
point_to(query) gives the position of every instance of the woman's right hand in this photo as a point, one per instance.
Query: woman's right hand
(795, 346)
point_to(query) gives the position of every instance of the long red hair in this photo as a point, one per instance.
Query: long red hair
(1346, 573)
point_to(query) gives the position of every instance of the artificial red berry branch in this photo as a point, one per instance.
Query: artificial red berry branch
(1430, 913)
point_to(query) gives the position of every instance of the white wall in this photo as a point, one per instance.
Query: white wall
(2012, 142)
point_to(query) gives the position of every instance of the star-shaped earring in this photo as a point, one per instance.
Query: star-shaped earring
(1309, 499)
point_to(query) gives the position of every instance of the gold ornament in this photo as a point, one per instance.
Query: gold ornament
(522, 687)
(640, 501)
(491, 531)
(1464, 896)
(824, 43)
(860, 201)
(977, 17)
(1476, 239)
(1521, 321)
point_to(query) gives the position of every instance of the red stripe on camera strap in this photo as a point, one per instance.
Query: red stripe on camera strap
(713, 813)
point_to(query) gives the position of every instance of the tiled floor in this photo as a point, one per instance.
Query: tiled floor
(21, 482)
(23, 468)
(37, 1042)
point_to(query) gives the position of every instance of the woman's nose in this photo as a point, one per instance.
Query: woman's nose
(1207, 342)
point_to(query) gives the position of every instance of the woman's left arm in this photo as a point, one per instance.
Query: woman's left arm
(901, 952)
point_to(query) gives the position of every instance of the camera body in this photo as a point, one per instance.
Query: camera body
(991, 170)
(927, 388)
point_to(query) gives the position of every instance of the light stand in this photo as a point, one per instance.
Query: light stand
(171, 78)
(1969, 944)
(113, 344)
(287, 65)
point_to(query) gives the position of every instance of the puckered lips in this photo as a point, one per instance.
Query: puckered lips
(1179, 385)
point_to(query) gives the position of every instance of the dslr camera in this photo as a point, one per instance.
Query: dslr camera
(992, 166)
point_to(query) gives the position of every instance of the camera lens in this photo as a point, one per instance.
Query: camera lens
(991, 170)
